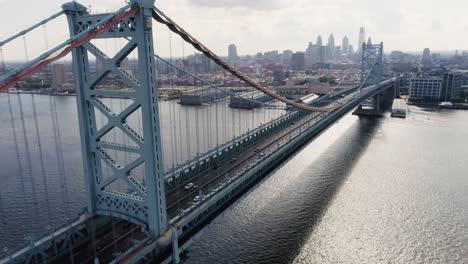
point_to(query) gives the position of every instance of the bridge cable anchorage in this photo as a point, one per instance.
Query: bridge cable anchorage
(66, 47)
(160, 17)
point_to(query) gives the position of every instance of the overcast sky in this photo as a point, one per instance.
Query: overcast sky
(262, 25)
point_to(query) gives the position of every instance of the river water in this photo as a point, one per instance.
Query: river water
(366, 191)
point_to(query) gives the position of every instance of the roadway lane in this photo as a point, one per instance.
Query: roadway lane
(210, 179)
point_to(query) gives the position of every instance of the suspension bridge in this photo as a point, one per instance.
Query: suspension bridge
(155, 173)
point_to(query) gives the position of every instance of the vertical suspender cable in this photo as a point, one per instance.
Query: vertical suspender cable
(58, 150)
(28, 158)
(180, 131)
(240, 123)
(2, 62)
(208, 128)
(18, 158)
(46, 38)
(172, 109)
(203, 122)
(217, 124)
(233, 122)
(197, 124)
(187, 129)
(25, 49)
(41, 158)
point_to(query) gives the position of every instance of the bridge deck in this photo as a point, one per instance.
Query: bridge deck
(122, 239)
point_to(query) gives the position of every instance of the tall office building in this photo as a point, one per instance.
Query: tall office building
(369, 41)
(310, 54)
(426, 57)
(345, 45)
(287, 54)
(350, 50)
(320, 50)
(59, 76)
(298, 61)
(452, 86)
(232, 54)
(319, 41)
(331, 48)
(362, 38)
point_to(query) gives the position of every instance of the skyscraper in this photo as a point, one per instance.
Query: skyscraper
(345, 45)
(331, 47)
(298, 61)
(426, 57)
(287, 54)
(310, 54)
(362, 37)
(320, 53)
(232, 54)
(369, 41)
(319, 40)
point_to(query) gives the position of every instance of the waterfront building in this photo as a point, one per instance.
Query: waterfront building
(452, 86)
(425, 88)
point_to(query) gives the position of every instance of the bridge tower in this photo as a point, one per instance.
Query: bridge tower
(371, 74)
(371, 64)
(141, 201)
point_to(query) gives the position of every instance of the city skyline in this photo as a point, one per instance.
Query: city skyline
(280, 25)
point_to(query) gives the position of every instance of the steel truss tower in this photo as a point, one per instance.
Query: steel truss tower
(144, 201)
(371, 64)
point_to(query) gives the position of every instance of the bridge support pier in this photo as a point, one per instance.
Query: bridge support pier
(380, 103)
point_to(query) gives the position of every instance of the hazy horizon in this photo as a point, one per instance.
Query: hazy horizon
(276, 24)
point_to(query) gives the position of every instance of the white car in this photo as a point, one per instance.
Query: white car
(188, 186)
